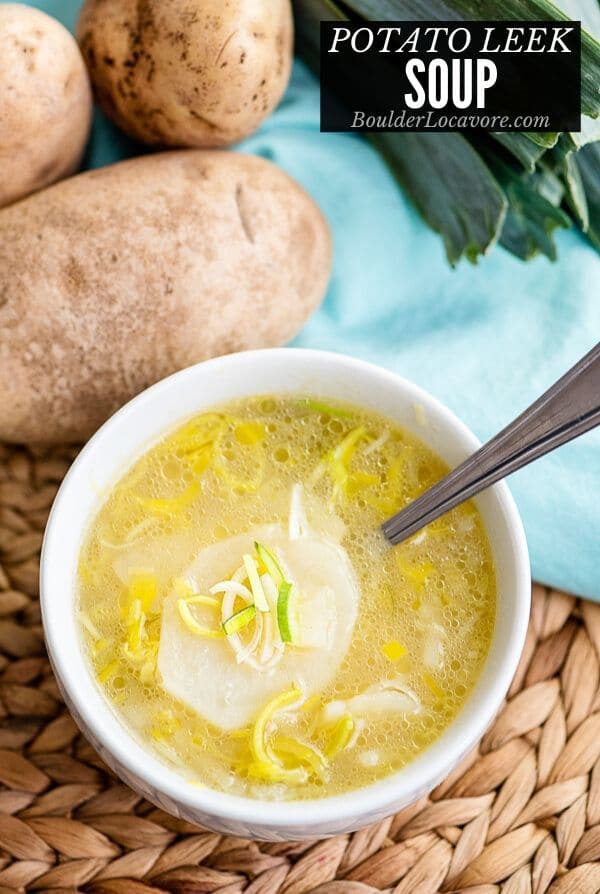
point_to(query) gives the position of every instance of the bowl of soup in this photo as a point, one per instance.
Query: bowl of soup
(230, 628)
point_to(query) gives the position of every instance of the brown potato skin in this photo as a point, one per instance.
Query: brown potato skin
(193, 73)
(45, 102)
(120, 276)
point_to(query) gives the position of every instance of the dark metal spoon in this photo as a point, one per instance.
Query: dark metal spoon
(568, 409)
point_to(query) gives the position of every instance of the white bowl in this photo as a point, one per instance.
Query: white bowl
(145, 420)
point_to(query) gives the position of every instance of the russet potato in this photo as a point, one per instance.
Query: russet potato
(115, 278)
(196, 73)
(45, 102)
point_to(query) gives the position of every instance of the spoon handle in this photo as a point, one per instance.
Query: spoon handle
(568, 409)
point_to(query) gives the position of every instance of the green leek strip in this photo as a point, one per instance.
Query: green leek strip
(283, 611)
(239, 620)
(260, 600)
(270, 562)
(320, 407)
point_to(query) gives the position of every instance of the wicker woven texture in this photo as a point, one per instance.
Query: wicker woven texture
(520, 815)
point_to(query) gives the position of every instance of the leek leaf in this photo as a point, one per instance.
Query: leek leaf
(544, 140)
(589, 13)
(522, 147)
(588, 162)
(574, 190)
(530, 223)
(533, 211)
(589, 133)
(451, 186)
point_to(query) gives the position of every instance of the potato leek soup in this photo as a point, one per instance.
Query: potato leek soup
(246, 618)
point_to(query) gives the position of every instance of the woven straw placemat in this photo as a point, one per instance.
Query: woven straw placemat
(520, 815)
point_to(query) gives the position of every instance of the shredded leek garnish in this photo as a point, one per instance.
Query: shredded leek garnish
(270, 562)
(143, 588)
(86, 573)
(303, 753)
(344, 451)
(260, 600)
(198, 432)
(170, 506)
(109, 671)
(148, 669)
(198, 599)
(359, 481)
(326, 409)
(391, 501)
(189, 620)
(165, 726)
(298, 523)
(266, 764)
(100, 646)
(269, 772)
(232, 588)
(262, 753)
(256, 582)
(197, 440)
(337, 462)
(239, 620)
(379, 699)
(311, 704)
(377, 444)
(241, 734)
(433, 686)
(136, 622)
(341, 456)
(341, 736)
(233, 482)
(183, 588)
(140, 648)
(393, 650)
(86, 622)
(417, 574)
(284, 611)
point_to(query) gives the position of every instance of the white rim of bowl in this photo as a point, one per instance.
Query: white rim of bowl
(416, 777)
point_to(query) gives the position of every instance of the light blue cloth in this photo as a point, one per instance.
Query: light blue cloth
(486, 340)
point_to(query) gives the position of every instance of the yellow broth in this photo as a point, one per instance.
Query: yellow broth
(232, 469)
